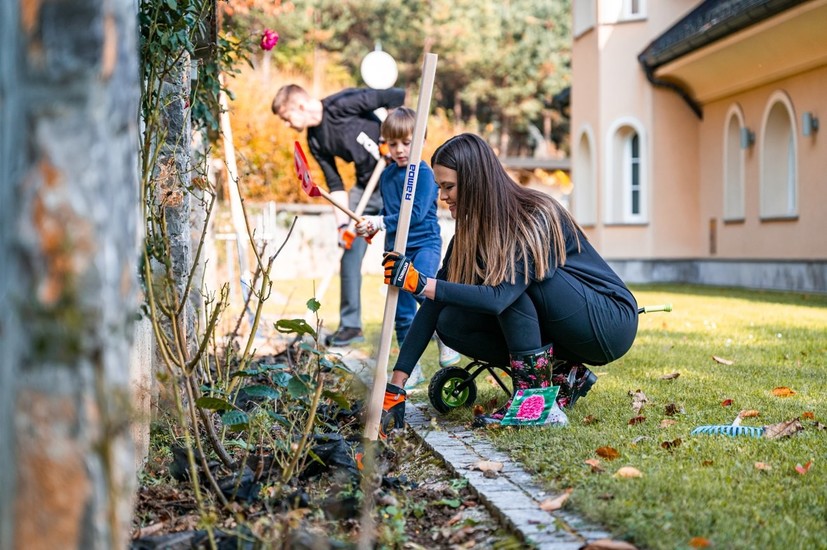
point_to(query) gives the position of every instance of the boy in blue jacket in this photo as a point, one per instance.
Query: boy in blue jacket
(424, 246)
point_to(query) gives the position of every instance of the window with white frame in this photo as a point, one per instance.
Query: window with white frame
(585, 186)
(626, 190)
(634, 9)
(583, 15)
(733, 166)
(779, 178)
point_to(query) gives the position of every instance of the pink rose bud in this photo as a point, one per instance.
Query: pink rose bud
(269, 39)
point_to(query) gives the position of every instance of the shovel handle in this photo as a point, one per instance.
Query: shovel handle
(344, 209)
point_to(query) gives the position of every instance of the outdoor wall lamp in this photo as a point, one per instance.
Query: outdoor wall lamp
(747, 138)
(809, 124)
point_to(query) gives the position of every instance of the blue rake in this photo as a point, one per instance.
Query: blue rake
(733, 430)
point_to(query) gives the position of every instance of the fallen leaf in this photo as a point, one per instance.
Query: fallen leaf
(699, 542)
(670, 376)
(628, 472)
(666, 422)
(608, 544)
(671, 409)
(722, 361)
(550, 505)
(589, 419)
(359, 464)
(783, 429)
(750, 413)
(595, 464)
(487, 466)
(819, 426)
(478, 410)
(638, 400)
(762, 466)
(782, 391)
(803, 469)
(455, 518)
(726, 402)
(636, 420)
(707, 463)
(609, 453)
(669, 445)
(606, 496)
(808, 415)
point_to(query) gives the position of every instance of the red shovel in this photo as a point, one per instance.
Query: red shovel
(311, 188)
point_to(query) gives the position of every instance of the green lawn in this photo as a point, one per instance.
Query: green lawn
(702, 488)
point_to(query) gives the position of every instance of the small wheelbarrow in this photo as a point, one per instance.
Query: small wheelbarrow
(454, 387)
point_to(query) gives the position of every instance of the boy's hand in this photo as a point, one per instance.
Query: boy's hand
(400, 272)
(370, 225)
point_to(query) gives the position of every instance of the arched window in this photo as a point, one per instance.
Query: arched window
(626, 189)
(585, 186)
(733, 166)
(779, 178)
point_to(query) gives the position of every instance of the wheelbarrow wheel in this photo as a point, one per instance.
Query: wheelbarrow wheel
(442, 389)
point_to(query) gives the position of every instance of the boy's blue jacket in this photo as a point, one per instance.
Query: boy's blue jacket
(424, 227)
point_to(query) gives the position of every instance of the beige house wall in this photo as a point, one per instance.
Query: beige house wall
(804, 237)
(683, 155)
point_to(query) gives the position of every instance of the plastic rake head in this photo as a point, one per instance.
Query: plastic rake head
(732, 431)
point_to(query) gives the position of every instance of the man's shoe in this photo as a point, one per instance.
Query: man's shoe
(345, 336)
(416, 378)
(447, 357)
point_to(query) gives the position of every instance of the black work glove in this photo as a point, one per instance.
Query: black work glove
(400, 272)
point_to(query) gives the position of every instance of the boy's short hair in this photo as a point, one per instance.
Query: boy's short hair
(399, 124)
(285, 95)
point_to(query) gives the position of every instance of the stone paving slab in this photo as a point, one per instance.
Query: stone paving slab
(512, 496)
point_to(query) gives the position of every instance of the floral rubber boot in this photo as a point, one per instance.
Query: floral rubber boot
(575, 381)
(528, 370)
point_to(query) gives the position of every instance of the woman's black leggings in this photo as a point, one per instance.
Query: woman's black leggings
(583, 325)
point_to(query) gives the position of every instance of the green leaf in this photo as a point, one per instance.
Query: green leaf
(172, 4)
(313, 305)
(261, 390)
(450, 502)
(264, 367)
(297, 326)
(235, 420)
(297, 388)
(213, 404)
(309, 348)
(281, 379)
(338, 398)
(281, 419)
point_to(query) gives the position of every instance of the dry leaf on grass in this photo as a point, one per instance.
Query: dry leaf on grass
(762, 466)
(589, 419)
(552, 504)
(670, 376)
(782, 391)
(808, 415)
(595, 464)
(669, 445)
(609, 453)
(671, 409)
(628, 472)
(803, 469)
(699, 542)
(819, 426)
(608, 544)
(487, 466)
(726, 403)
(636, 420)
(666, 422)
(749, 413)
(638, 400)
(783, 429)
(722, 361)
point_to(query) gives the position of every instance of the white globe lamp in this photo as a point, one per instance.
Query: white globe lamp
(379, 70)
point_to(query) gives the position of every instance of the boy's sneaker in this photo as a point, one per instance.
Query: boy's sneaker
(416, 378)
(447, 356)
(345, 336)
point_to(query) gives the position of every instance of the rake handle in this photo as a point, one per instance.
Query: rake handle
(652, 309)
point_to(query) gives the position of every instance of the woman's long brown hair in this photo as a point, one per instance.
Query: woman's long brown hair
(499, 221)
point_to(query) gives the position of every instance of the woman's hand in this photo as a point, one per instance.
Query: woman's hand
(400, 272)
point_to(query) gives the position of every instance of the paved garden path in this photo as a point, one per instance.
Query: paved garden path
(511, 495)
